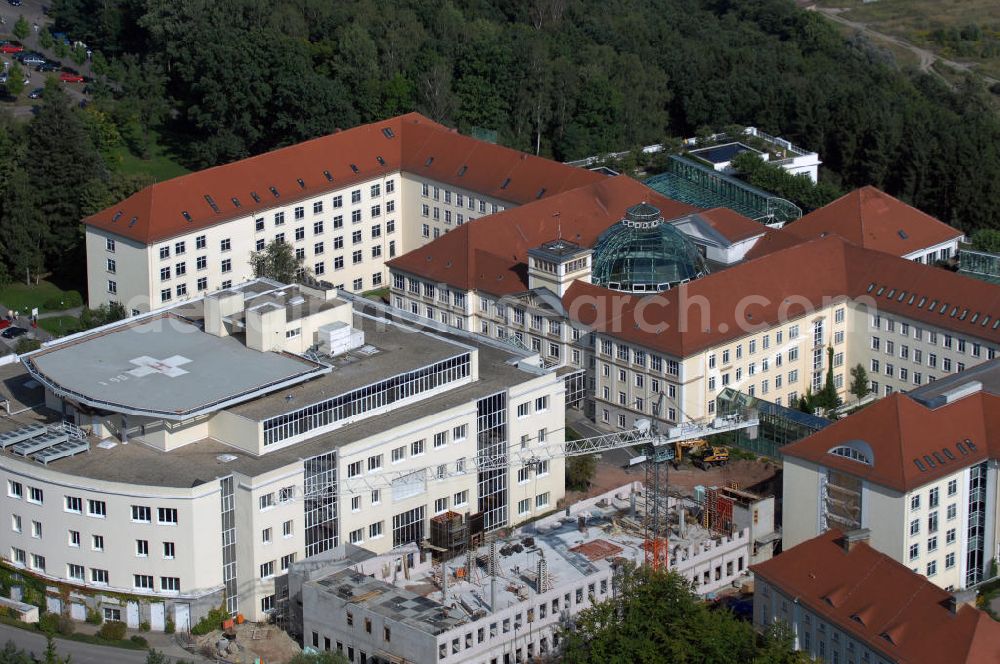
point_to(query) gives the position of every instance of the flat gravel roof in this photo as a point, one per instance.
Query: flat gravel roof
(163, 366)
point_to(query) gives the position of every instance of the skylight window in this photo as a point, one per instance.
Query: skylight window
(541, 192)
(892, 291)
(948, 453)
(430, 160)
(902, 296)
(211, 203)
(965, 313)
(380, 160)
(255, 196)
(326, 174)
(118, 215)
(236, 201)
(186, 215)
(274, 191)
(903, 234)
(971, 445)
(354, 168)
(462, 170)
(975, 317)
(986, 320)
(930, 307)
(880, 290)
(912, 298)
(944, 308)
(871, 287)
(996, 323)
(505, 183)
(302, 184)
(938, 458)
(954, 310)
(961, 449)
(920, 305)
(920, 465)
(387, 132)
(131, 222)
(929, 461)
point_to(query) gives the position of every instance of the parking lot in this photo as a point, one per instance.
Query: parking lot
(32, 11)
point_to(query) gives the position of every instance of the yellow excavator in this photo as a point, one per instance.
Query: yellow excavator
(701, 453)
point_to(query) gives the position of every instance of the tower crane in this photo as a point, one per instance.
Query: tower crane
(659, 447)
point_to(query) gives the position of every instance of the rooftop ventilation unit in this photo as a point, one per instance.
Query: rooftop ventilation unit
(338, 338)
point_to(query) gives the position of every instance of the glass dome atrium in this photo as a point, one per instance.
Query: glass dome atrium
(643, 254)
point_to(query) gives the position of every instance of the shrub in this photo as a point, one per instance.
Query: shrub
(138, 640)
(49, 622)
(210, 622)
(94, 616)
(112, 631)
(26, 345)
(66, 625)
(170, 627)
(144, 626)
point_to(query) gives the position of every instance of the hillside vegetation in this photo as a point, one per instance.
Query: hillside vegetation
(224, 79)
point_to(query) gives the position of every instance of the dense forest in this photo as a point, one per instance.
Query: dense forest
(224, 79)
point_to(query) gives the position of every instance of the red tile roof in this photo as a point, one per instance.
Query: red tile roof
(733, 225)
(490, 254)
(900, 430)
(873, 219)
(878, 601)
(760, 292)
(409, 142)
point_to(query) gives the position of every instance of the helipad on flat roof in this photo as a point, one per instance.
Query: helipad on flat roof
(163, 366)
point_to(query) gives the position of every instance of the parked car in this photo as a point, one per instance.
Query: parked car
(11, 47)
(48, 66)
(36, 93)
(66, 77)
(30, 59)
(13, 332)
(14, 3)
(4, 323)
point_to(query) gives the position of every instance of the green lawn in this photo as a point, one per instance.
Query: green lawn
(21, 297)
(57, 326)
(160, 164)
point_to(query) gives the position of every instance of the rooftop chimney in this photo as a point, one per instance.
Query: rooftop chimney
(853, 537)
(959, 598)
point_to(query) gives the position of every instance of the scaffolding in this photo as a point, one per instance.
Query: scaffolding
(690, 182)
(656, 526)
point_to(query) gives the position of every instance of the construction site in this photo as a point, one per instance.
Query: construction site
(502, 597)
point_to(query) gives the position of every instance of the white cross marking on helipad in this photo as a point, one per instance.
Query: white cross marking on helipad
(150, 365)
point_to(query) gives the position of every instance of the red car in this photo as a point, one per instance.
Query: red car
(66, 77)
(11, 47)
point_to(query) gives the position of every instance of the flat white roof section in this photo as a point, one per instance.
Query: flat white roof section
(164, 366)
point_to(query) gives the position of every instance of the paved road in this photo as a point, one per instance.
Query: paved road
(927, 57)
(82, 653)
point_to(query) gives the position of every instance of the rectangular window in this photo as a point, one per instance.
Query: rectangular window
(97, 508)
(166, 515)
(170, 584)
(142, 548)
(142, 581)
(286, 561)
(267, 570)
(74, 504)
(168, 550)
(35, 495)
